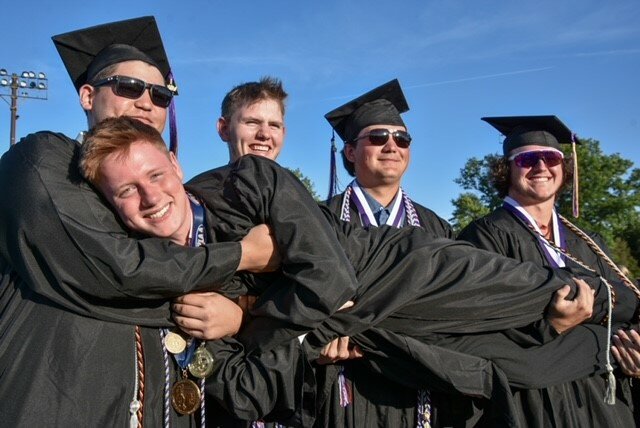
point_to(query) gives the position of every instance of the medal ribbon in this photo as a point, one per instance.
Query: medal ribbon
(367, 218)
(184, 358)
(553, 256)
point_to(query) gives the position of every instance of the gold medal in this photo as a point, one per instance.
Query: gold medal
(203, 363)
(185, 396)
(174, 342)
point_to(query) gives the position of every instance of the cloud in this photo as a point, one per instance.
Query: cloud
(486, 76)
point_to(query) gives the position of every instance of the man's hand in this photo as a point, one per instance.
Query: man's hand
(626, 350)
(207, 315)
(339, 349)
(565, 314)
(259, 251)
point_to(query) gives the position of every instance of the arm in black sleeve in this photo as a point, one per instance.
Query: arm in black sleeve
(275, 385)
(317, 277)
(68, 246)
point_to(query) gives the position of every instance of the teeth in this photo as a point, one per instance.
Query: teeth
(259, 148)
(160, 213)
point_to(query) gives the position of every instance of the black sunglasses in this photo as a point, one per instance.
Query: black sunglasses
(132, 88)
(380, 136)
(531, 159)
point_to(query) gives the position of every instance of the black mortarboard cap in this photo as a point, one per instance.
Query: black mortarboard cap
(546, 131)
(380, 106)
(86, 52)
(521, 131)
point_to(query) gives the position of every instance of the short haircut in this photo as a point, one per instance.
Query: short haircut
(500, 174)
(114, 135)
(267, 88)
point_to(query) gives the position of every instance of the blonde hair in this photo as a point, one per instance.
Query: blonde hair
(114, 135)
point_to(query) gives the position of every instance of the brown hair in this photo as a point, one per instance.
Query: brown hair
(500, 174)
(267, 88)
(114, 135)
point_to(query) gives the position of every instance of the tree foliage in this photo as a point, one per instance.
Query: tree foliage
(307, 183)
(609, 199)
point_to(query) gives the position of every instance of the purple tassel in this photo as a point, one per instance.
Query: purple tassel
(345, 389)
(333, 173)
(173, 126)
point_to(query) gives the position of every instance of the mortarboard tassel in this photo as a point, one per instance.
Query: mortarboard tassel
(333, 173)
(173, 126)
(575, 201)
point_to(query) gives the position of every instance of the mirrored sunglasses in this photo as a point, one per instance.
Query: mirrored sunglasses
(531, 159)
(132, 88)
(380, 136)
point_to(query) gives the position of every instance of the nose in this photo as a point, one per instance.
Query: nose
(144, 102)
(390, 146)
(264, 132)
(149, 196)
(541, 163)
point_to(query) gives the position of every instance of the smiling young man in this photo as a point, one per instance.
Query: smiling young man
(252, 119)
(377, 153)
(530, 176)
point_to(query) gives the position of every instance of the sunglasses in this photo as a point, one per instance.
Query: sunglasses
(132, 88)
(531, 159)
(380, 136)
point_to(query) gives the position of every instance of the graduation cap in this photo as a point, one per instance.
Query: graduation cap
(547, 131)
(88, 51)
(380, 106)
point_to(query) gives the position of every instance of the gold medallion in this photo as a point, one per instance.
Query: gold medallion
(174, 342)
(185, 396)
(203, 363)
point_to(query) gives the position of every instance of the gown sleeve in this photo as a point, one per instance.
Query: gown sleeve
(316, 276)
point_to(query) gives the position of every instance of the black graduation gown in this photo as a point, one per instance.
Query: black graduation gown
(74, 285)
(120, 282)
(579, 401)
(410, 283)
(376, 399)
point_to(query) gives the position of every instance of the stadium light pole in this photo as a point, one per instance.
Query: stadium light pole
(26, 85)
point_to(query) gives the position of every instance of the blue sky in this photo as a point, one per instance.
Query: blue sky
(456, 60)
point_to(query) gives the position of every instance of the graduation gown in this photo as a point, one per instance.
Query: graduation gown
(74, 285)
(575, 400)
(376, 400)
(410, 283)
(70, 262)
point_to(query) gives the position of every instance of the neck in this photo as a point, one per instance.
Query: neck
(184, 234)
(541, 213)
(384, 194)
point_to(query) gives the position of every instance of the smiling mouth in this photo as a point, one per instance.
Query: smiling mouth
(540, 179)
(259, 148)
(161, 213)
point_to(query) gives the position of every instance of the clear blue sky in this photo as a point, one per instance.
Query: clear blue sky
(457, 61)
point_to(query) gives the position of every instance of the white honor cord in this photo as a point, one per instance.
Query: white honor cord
(134, 406)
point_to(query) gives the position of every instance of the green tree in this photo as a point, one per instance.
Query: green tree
(609, 199)
(307, 183)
